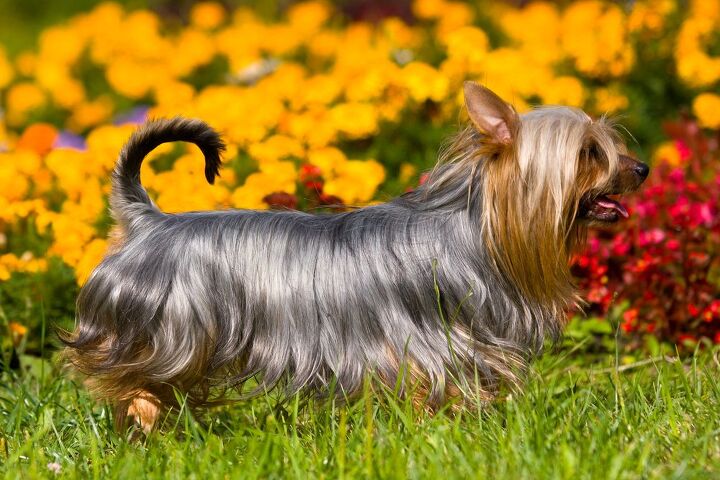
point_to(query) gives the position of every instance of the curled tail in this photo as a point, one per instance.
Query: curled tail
(129, 199)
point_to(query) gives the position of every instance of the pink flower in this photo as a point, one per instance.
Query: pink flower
(683, 149)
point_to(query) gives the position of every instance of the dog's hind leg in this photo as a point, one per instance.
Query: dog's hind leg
(143, 410)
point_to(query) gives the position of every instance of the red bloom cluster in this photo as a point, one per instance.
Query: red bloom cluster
(664, 262)
(311, 190)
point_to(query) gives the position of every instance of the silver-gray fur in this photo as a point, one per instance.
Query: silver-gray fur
(298, 300)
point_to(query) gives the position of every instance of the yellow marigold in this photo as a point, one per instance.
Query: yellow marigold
(706, 108)
(61, 44)
(407, 172)
(370, 83)
(276, 148)
(328, 159)
(536, 28)
(13, 185)
(318, 89)
(104, 144)
(602, 50)
(192, 49)
(563, 91)
(25, 63)
(4, 273)
(92, 255)
(428, 9)
(6, 70)
(309, 16)
(356, 120)
(134, 79)
(183, 192)
(90, 114)
(356, 181)
(649, 15)
(21, 99)
(512, 75)
(609, 100)
(400, 34)
(70, 236)
(87, 205)
(67, 92)
(468, 44)
(174, 95)
(424, 82)
(69, 167)
(272, 177)
(325, 44)
(694, 63)
(667, 152)
(313, 126)
(455, 15)
(207, 15)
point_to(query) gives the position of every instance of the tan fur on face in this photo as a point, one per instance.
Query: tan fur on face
(532, 188)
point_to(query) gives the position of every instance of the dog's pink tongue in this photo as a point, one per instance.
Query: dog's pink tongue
(606, 202)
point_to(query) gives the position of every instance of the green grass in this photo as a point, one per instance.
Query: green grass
(657, 419)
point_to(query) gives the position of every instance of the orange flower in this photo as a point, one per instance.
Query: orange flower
(38, 138)
(17, 329)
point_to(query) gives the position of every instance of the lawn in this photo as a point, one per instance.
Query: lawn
(655, 418)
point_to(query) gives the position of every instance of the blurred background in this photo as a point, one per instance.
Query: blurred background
(347, 103)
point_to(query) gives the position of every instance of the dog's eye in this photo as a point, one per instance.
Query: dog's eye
(595, 154)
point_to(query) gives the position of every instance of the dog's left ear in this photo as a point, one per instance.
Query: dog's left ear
(490, 114)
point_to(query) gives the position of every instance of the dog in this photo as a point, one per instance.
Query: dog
(444, 292)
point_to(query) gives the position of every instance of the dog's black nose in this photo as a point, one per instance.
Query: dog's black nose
(642, 169)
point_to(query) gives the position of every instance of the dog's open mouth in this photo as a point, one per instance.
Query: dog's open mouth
(603, 208)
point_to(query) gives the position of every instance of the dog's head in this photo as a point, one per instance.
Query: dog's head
(546, 174)
(566, 168)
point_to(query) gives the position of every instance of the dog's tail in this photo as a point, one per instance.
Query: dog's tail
(128, 199)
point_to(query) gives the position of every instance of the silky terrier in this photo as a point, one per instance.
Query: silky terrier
(446, 291)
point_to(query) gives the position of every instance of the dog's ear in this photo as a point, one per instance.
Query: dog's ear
(490, 114)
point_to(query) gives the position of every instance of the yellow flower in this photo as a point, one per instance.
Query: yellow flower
(423, 82)
(307, 17)
(536, 28)
(70, 169)
(609, 100)
(667, 152)
(276, 148)
(706, 108)
(328, 159)
(207, 15)
(92, 255)
(356, 120)
(356, 181)
(454, 15)
(603, 49)
(13, 185)
(428, 9)
(25, 63)
(22, 98)
(563, 91)
(90, 114)
(407, 172)
(649, 15)
(104, 144)
(272, 177)
(469, 44)
(6, 70)
(694, 64)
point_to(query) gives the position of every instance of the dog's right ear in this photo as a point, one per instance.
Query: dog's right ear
(490, 114)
